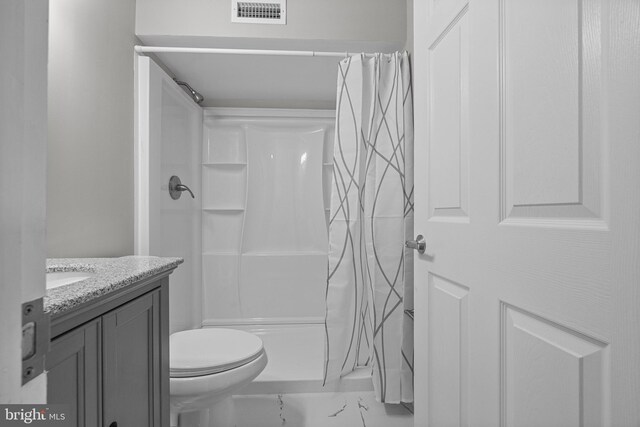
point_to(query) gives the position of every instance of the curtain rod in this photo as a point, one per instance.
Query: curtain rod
(163, 49)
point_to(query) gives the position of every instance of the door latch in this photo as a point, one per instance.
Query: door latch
(35, 339)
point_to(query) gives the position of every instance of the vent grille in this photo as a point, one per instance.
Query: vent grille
(259, 10)
(273, 12)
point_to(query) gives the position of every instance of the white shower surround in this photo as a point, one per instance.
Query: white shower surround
(169, 134)
(265, 166)
(265, 189)
(168, 131)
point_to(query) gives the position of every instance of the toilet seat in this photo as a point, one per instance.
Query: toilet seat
(209, 351)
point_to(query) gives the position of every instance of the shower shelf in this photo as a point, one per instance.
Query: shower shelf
(285, 253)
(237, 164)
(228, 209)
(220, 253)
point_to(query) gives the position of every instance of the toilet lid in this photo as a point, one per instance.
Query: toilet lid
(208, 351)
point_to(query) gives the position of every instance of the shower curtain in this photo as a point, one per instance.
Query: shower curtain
(369, 317)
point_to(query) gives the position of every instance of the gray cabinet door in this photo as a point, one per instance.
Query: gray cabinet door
(132, 363)
(73, 378)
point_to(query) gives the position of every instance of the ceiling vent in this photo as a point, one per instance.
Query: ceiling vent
(274, 12)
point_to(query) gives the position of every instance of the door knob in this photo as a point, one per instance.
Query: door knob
(176, 187)
(419, 244)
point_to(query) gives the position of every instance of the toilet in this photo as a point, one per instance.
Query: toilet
(207, 366)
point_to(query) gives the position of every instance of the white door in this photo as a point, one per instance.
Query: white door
(23, 154)
(527, 140)
(168, 143)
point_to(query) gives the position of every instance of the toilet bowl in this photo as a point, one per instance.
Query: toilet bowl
(207, 366)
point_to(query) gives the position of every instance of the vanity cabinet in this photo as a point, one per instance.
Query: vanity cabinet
(113, 370)
(73, 365)
(131, 363)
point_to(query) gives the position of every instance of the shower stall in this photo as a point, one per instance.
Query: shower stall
(254, 240)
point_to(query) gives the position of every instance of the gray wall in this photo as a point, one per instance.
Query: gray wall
(409, 43)
(352, 20)
(90, 148)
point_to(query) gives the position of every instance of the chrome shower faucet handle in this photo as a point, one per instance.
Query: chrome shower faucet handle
(176, 187)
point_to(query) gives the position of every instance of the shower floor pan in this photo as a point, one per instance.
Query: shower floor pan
(296, 358)
(289, 392)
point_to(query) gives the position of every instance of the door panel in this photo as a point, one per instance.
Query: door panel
(553, 156)
(527, 310)
(23, 148)
(448, 336)
(545, 365)
(449, 154)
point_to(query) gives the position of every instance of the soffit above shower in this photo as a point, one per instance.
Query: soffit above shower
(259, 80)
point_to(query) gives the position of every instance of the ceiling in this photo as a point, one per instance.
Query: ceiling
(259, 80)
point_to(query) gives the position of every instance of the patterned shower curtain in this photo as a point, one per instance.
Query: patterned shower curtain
(369, 318)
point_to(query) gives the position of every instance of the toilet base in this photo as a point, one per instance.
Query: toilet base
(206, 400)
(221, 414)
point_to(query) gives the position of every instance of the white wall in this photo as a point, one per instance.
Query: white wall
(329, 20)
(90, 157)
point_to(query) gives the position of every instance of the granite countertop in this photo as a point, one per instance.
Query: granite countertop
(110, 274)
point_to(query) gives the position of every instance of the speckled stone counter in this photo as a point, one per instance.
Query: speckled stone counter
(111, 274)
